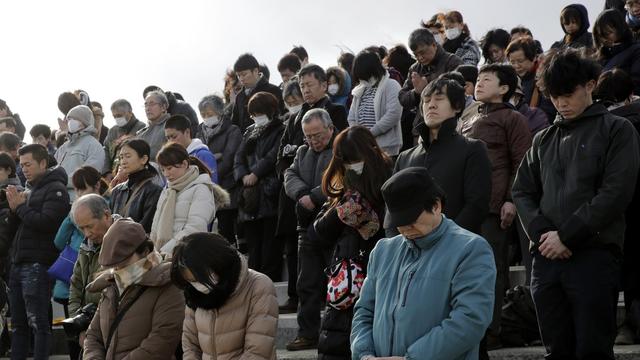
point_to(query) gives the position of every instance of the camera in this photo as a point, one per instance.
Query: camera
(80, 322)
(289, 150)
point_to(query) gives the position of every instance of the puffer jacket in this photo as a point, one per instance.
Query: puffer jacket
(84, 272)
(257, 155)
(507, 136)
(201, 151)
(195, 209)
(150, 329)
(80, 150)
(388, 112)
(143, 206)
(223, 141)
(244, 327)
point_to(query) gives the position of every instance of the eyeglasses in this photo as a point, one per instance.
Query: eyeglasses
(150, 104)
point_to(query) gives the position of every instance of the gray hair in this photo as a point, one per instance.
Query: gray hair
(321, 114)
(292, 88)
(158, 95)
(122, 105)
(213, 102)
(94, 203)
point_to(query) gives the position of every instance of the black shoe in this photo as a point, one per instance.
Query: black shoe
(302, 343)
(493, 342)
(289, 307)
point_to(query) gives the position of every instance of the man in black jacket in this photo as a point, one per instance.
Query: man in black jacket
(40, 210)
(571, 192)
(460, 165)
(248, 71)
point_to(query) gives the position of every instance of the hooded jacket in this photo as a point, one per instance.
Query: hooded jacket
(150, 329)
(68, 234)
(153, 134)
(584, 38)
(428, 298)
(625, 57)
(201, 151)
(578, 178)
(40, 217)
(244, 327)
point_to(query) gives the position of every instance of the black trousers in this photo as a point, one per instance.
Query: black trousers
(291, 250)
(576, 302)
(265, 251)
(311, 286)
(227, 224)
(499, 241)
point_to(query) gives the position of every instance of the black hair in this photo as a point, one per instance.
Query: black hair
(340, 75)
(9, 141)
(614, 20)
(381, 51)
(499, 37)
(263, 103)
(245, 62)
(96, 104)
(178, 122)
(40, 129)
(366, 65)
(345, 60)
(4, 106)
(141, 147)
(521, 29)
(149, 89)
(145, 248)
(8, 121)
(400, 59)
(67, 101)
(300, 52)
(173, 154)
(420, 37)
(6, 162)
(455, 76)
(565, 70)
(527, 45)
(570, 14)
(315, 70)
(469, 73)
(38, 152)
(178, 96)
(506, 76)
(264, 70)
(614, 86)
(88, 177)
(447, 85)
(290, 62)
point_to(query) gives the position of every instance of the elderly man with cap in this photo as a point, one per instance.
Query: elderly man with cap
(140, 314)
(429, 291)
(81, 148)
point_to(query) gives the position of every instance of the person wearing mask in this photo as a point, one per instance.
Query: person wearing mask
(616, 47)
(574, 20)
(156, 107)
(188, 203)
(338, 85)
(459, 41)
(436, 26)
(138, 196)
(127, 125)
(288, 67)
(255, 169)
(493, 45)
(177, 130)
(375, 102)
(253, 81)
(223, 139)
(33, 251)
(136, 285)
(82, 148)
(232, 311)
(349, 226)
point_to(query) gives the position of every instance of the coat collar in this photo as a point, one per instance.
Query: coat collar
(427, 242)
(448, 128)
(595, 110)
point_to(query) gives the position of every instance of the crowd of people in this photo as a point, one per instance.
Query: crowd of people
(394, 190)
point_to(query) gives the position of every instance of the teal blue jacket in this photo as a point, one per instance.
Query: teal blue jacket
(68, 233)
(428, 298)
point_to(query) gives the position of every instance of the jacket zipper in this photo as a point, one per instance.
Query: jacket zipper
(406, 289)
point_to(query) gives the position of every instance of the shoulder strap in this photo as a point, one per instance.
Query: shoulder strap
(120, 315)
(136, 190)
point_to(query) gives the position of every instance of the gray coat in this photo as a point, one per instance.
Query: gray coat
(153, 134)
(116, 133)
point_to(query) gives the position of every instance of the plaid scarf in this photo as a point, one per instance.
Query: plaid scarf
(132, 274)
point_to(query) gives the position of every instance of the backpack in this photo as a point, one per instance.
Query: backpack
(519, 322)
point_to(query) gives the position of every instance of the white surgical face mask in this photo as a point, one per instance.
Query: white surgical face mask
(355, 167)
(333, 89)
(212, 121)
(261, 120)
(452, 34)
(294, 109)
(200, 287)
(121, 121)
(75, 126)
(439, 39)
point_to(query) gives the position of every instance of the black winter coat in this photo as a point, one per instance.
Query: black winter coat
(577, 178)
(625, 57)
(223, 142)
(179, 107)
(240, 114)
(257, 155)
(38, 219)
(460, 166)
(143, 206)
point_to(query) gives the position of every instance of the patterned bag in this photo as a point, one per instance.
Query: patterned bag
(345, 282)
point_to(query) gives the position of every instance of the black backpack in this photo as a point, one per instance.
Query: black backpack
(519, 322)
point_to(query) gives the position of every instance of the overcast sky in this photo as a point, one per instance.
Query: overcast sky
(114, 49)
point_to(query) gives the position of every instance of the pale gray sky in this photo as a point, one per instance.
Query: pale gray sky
(113, 49)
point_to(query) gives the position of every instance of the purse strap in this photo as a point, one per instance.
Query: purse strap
(136, 190)
(120, 315)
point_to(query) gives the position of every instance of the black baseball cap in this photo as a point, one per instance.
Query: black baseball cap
(405, 194)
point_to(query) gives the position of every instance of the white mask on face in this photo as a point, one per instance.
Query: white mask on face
(355, 167)
(438, 38)
(333, 89)
(75, 126)
(200, 287)
(452, 34)
(261, 120)
(212, 121)
(121, 121)
(294, 109)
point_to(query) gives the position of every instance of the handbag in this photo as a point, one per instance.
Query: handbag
(345, 283)
(62, 268)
